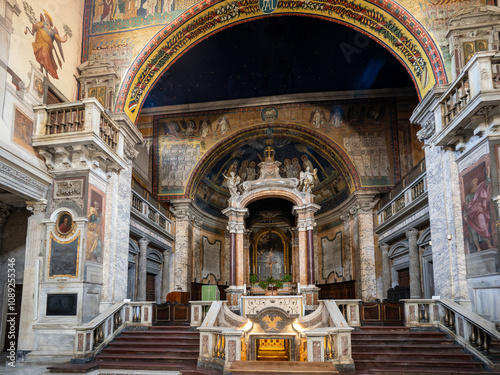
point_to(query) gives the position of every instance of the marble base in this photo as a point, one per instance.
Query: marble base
(483, 262)
(310, 294)
(485, 294)
(233, 294)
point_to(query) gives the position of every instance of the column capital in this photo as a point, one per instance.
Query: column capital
(411, 234)
(306, 208)
(36, 207)
(345, 216)
(236, 227)
(181, 208)
(143, 242)
(198, 222)
(5, 211)
(234, 213)
(384, 248)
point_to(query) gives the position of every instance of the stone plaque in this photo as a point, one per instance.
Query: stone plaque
(211, 258)
(332, 256)
(63, 257)
(61, 304)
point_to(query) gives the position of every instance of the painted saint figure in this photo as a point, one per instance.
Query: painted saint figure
(94, 245)
(43, 47)
(477, 214)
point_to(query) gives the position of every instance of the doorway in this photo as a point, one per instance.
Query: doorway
(150, 287)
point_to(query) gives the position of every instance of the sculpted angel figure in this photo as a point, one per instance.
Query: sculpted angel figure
(232, 183)
(307, 179)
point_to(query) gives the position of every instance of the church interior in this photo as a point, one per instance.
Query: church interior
(241, 186)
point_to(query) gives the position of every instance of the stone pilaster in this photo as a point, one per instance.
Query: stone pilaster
(386, 268)
(183, 252)
(415, 278)
(165, 276)
(346, 237)
(117, 234)
(32, 269)
(445, 215)
(143, 261)
(366, 283)
(197, 262)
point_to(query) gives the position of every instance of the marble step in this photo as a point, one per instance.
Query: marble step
(164, 357)
(158, 338)
(414, 356)
(397, 370)
(285, 368)
(404, 334)
(184, 368)
(181, 352)
(430, 363)
(134, 344)
(405, 348)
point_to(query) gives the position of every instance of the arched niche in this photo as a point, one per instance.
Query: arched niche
(388, 23)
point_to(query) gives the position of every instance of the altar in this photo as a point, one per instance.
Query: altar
(252, 305)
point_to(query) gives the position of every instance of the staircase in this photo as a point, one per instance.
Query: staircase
(404, 351)
(165, 348)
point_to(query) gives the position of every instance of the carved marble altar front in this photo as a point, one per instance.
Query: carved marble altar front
(292, 305)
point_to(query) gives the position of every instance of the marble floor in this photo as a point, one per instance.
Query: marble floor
(22, 368)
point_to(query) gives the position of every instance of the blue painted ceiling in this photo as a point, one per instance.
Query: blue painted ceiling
(277, 56)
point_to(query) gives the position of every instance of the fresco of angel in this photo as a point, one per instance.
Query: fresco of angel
(47, 38)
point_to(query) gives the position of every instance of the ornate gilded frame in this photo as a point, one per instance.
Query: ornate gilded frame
(286, 248)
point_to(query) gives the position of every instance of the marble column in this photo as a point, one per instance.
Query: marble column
(386, 268)
(415, 278)
(366, 282)
(445, 213)
(35, 243)
(165, 277)
(183, 251)
(346, 236)
(143, 261)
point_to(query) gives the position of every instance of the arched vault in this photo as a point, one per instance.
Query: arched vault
(385, 21)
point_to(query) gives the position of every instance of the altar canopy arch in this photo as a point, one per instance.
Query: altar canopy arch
(386, 22)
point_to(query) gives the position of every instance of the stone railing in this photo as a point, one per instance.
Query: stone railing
(349, 309)
(467, 328)
(409, 190)
(199, 310)
(149, 213)
(221, 334)
(328, 335)
(474, 92)
(92, 337)
(78, 134)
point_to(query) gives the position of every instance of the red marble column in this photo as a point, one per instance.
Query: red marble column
(310, 257)
(232, 259)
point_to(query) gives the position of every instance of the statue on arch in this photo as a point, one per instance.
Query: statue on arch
(307, 179)
(232, 183)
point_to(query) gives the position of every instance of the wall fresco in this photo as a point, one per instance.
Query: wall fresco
(95, 232)
(47, 38)
(478, 212)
